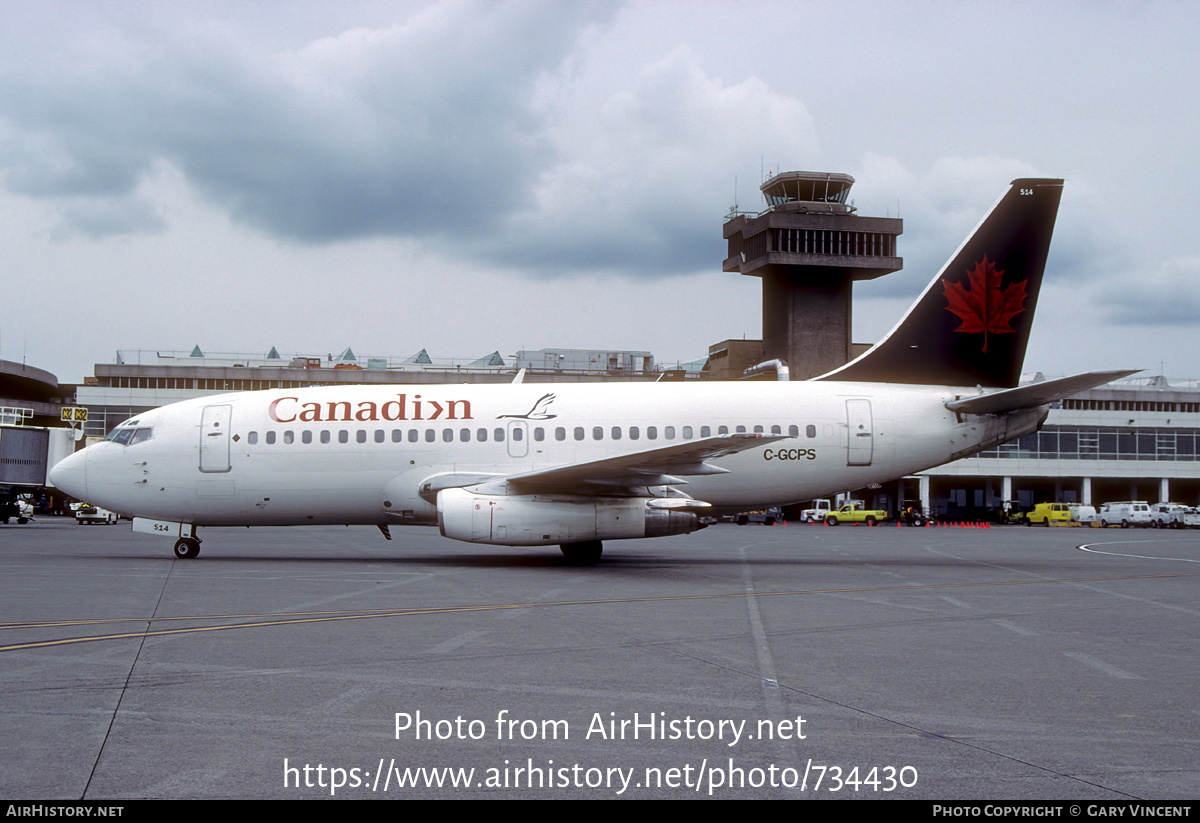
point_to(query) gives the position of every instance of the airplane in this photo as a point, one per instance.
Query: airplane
(517, 465)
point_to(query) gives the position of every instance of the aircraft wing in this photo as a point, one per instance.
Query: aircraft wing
(653, 467)
(1035, 394)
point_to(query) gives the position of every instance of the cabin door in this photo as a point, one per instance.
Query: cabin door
(860, 436)
(214, 438)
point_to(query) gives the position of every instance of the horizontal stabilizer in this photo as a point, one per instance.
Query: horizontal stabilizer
(1035, 394)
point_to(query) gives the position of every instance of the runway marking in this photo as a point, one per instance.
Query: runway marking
(1100, 665)
(258, 621)
(1013, 627)
(1089, 547)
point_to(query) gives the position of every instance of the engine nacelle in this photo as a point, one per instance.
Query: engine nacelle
(544, 520)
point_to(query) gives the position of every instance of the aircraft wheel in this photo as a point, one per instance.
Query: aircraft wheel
(583, 553)
(186, 549)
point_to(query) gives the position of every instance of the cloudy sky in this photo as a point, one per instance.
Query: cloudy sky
(466, 177)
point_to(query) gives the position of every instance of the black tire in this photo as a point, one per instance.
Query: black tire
(770, 521)
(742, 520)
(186, 549)
(831, 520)
(1124, 524)
(870, 520)
(22, 520)
(583, 554)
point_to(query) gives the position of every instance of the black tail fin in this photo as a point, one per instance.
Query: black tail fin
(971, 324)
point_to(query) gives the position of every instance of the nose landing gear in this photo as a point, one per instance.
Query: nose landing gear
(187, 547)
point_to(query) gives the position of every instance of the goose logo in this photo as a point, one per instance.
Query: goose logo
(537, 412)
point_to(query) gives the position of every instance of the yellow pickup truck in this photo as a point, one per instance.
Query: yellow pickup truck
(855, 513)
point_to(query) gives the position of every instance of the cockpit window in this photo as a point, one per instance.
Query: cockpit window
(140, 436)
(121, 436)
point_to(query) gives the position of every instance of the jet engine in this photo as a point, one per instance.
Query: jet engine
(544, 520)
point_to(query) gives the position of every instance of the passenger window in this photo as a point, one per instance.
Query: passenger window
(325, 436)
(669, 432)
(634, 433)
(464, 435)
(397, 435)
(539, 434)
(758, 429)
(447, 435)
(413, 435)
(380, 435)
(597, 432)
(652, 432)
(430, 435)
(306, 436)
(498, 435)
(810, 431)
(687, 432)
(705, 431)
(793, 431)
(722, 430)
(343, 436)
(289, 437)
(560, 433)
(740, 430)
(361, 435)
(579, 432)
(252, 438)
(616, 432)
(271, 438)
(481, 434)
(518, 434)
(776, 430)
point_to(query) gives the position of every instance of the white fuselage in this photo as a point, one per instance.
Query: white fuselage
(360, 454)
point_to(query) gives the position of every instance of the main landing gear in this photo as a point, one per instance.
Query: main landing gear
(583, 554)
(187, 547)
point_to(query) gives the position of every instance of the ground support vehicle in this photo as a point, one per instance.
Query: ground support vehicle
(1125, 513)
(819, 509)
(1048, 513)
(765, 517)
(855, 513)
(87, 514)
(1167, 515)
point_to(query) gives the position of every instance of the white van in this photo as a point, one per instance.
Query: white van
(1167, 515)
(1125, 513)
(1083, 514)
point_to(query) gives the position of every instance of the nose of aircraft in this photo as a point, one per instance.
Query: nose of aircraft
(70, 475)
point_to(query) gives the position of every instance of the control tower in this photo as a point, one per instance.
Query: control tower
(809, 247)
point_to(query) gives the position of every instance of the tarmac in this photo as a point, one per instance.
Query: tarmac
(802, 662)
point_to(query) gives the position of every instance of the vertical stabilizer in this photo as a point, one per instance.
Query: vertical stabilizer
(971, 324)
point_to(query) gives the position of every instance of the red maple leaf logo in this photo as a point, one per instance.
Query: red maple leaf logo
(984, 307)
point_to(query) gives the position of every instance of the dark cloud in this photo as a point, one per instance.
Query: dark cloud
(396, 131)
